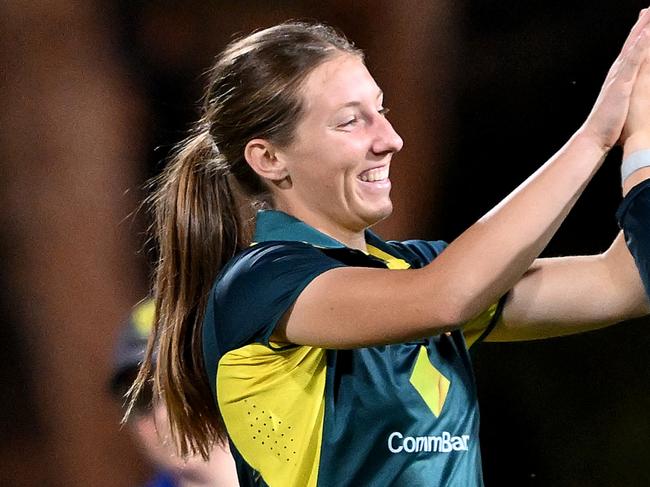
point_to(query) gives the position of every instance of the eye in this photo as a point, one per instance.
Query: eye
(384, 111)
(350, 122)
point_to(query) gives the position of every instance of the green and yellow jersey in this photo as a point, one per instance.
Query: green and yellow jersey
(403, 414)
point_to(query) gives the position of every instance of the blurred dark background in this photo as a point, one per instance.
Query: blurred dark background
(94, 95)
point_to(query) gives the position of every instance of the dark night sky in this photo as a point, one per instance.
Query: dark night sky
(561, 411)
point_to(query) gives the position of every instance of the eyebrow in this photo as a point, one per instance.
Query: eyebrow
(358, 103)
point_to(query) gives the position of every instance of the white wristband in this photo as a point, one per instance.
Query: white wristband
(635, 162)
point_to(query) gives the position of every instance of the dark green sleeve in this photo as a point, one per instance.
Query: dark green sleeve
(634, 218)
(254, 291)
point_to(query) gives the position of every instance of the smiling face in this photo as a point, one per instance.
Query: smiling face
(338, 163)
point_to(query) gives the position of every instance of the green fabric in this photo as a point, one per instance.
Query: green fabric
(396, 415)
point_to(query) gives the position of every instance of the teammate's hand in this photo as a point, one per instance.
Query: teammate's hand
(607, 118)
(636, 132)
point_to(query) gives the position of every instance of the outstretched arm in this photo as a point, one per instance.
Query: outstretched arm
(568, 295)
(634, 215)
(485, 261)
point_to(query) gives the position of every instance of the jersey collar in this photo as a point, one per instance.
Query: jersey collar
(274, 225)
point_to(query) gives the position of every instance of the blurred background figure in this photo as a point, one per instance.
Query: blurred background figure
(148, 424)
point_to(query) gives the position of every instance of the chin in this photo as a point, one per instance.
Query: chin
(376, 215)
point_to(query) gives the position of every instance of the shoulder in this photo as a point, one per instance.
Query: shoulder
(271, 260)
(257, 287)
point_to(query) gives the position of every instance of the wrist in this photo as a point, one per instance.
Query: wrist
(636, 142)
(635, 178)
(589, 141)
(636, 164)
(590, 146)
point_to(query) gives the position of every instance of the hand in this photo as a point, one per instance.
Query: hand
(636, 132)
(607, 118)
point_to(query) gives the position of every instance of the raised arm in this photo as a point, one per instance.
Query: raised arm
(634, 216)
(566, 295)
(350, 307)
(636, 132)
(569, 295)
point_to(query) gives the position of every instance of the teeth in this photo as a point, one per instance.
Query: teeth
(372, 175)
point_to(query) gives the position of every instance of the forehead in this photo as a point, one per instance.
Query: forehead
(340, 80)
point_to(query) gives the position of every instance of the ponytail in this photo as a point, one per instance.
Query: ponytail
(198, 227)
(254, 92)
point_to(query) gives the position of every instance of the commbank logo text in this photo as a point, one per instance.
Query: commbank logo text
(444, 443)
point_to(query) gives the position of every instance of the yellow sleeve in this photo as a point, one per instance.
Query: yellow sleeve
(476, 329)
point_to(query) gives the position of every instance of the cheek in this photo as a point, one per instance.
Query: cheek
(339, 179)
(343, 159)
(331, 164)
(322, 173)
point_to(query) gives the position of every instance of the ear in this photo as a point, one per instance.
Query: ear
(261, 156)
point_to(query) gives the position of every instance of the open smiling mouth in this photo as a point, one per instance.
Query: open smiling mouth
(374, 175)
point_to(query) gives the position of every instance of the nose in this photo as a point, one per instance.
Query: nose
(386, 139)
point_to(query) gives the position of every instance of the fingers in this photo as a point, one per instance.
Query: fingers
(631, 60)
(641, 88)
(636, 131)
(641, 23)
(626, 64)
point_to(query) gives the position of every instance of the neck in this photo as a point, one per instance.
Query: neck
(352, 238)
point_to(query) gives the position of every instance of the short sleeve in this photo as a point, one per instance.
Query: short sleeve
(419, 252)
(634, 218)
(255, 290)
(478, 328)
(422, 252)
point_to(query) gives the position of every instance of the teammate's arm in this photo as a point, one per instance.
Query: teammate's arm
(565, 295)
